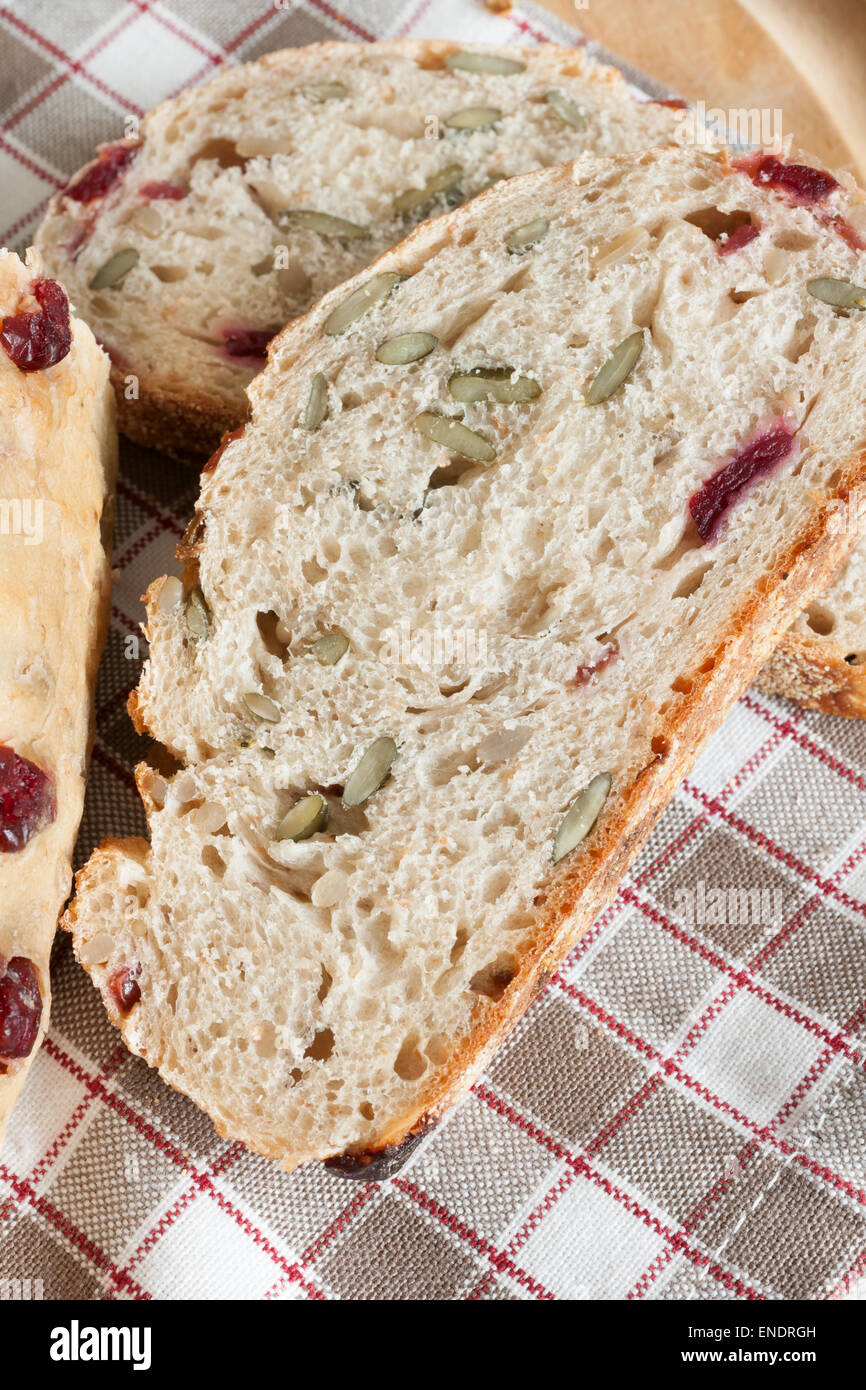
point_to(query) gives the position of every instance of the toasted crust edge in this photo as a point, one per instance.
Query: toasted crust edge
(816, 675)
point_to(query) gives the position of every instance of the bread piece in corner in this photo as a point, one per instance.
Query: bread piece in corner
(58, 449)
(249, 197)
(514, 522)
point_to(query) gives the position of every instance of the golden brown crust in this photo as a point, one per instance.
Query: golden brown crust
(816, 675)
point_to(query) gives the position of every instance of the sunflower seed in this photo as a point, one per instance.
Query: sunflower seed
(842, 294)
(405, 348)
(316, 411)
(453, 436)
(442, 182)
(521, 238)
(371, 772)
(581, 815)
(325, 224)
(368, 296)
(330, 649)
(116, 268)
(474, 118)
(325, 91)
(262, 707)
(567, 110)
(615, 370)
(197, 614)
(306, 817)
(484, 62)
(493, 384)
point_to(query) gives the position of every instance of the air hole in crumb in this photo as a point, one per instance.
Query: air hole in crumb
(169, 274)
(853, 659)
(691, 582)
(366, 1111)
(224, 152)
(324, 987)
(820, 619)
(267, 624)
(437, 1049)
(661, 746)
(213, 861)
(708, 665)
(715, 223)
(743, 296)
(451, 473)
(682, 684)
(313, 572)
(322, 1046)
(409, 1063)
(493, 980)
(459, 945)
(792, 240)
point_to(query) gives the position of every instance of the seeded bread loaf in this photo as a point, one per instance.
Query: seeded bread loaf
(57, 460)
(246, 199)
(519, 512)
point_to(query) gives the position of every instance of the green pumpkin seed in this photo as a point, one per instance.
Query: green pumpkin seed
(330, 649)
(581, 815)
(306, 818)
(368, 296)
(405, 348)
(262, 707)
(842, 294)
(316, 411)
(454, 437)
(493, 384)
(484, 62)
(116, 268)
(615, 370)
(371, 772)
(474, 118)
(325, 224)
(444, 181)
(197, 614)
(325, 91)
(566, 109)
(521, 238)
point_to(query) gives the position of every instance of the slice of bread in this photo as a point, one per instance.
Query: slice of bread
(246, 199)
(485, 607)
(57, 461)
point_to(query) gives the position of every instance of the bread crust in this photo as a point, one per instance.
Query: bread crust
(816, 675)
(579, 889)
(60, 446)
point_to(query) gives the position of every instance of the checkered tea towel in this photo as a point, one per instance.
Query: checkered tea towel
(681, 1115)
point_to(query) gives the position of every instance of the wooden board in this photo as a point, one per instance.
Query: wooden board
(804, 57)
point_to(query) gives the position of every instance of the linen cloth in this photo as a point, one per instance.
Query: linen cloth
(681, 1115)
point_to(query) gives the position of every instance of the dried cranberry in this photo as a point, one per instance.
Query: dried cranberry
(226, 440)
(27, 800)
(20, 1008)
(737, 240)
(675, 103)
(39, 338)
(247, 342)
(584, 675)
(801, 182)
(125, 989)
(844, 230)
(101, 177)
(158, 189)
(752, 462)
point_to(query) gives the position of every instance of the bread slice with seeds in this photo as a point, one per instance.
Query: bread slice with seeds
(246, 199)
(58, 451)
(519, 512)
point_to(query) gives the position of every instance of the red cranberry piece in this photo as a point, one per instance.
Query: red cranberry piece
(27, 800)
(39, 338)
(101, 177)
(844, 230)
(125, 989)
(675, 103)
(585, 675)
(757, 458)
(158, 189)
(247, 342)
(737, 240)
(801, 182)
(20, 1008)
(227, 439)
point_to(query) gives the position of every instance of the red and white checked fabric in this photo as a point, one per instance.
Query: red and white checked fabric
(682, 1115)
